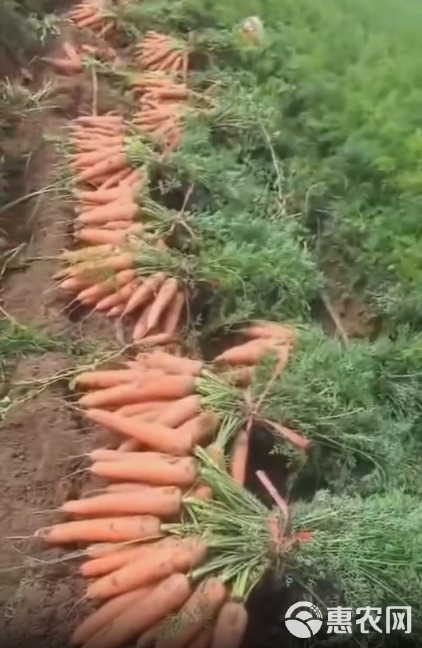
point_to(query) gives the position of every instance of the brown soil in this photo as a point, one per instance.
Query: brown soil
(39, 438)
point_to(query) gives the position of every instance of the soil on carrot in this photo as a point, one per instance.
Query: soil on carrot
(38, 594)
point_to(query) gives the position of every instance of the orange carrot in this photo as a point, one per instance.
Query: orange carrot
(154, 340)
(293, 437)
(101, 379)
(183, 555)
(144, 292)
(64, 65)
(249, 353)
(123, 487)
(129, 446)
(199, 610)
(117, 529)
(161, 388)
(162, 501)
(96, 235)
(173, 314)
(117, 298)
(142, 408)
(230, 626)
(171, 364)
(155, 436)
(167, 597)
(201, 491)
(182, 410)
(201, 428)
(82, 160)
(114, 560)
(164, 296)
(149, 467)
(203, 640)
(239, 459)
(108, 166)
(282, 332)
(121, 209)
(97, 620)
(99, 196)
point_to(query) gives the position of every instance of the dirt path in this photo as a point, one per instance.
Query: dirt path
(37, 600)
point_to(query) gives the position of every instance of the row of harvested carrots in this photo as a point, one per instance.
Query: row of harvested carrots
(138, 572)
(111, 220)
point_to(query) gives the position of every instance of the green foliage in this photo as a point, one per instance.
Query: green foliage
(362, 407)
(339, 86)
(371, 545)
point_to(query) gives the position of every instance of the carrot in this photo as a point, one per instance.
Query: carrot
(123, 487)
(149, 637)
(155, 436)
(112, 561)
(203, 640)
(103, 454)
(99, 196)
(155, 340)
(109, 166)
(182, 410)
(230, 626)
(117, 298)
(201, 491)
(162, 501)
(101, 289)
(64, 65)
(199, 610)
(160, 388)
(183, 554)
(141, 324)
(149, 467)
(123, 224)
(116, 178)
(120, 209)
(144, 292)
(96, 235)
(171, 364)
(101, 379)
(105, 615)
(173, 313)
(115, 529)
(141, 408)
(164, 599)
(201, 428)
(239, 459)
(293, 437)
(164, 296)
(281, 332)
(83, 160)
(249, 353)
(129, 446)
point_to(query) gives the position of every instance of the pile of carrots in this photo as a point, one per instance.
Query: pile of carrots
(91, 14)
(137, 572)
(147, 581)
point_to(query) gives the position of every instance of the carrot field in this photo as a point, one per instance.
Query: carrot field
(210, 321)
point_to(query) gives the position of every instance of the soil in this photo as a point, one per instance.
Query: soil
(39, 593)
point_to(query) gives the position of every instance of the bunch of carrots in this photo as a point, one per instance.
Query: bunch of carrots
(163, 53)
(163, 535)
(92, 15)
(113, 280)
(162, 106)
(171, 576)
